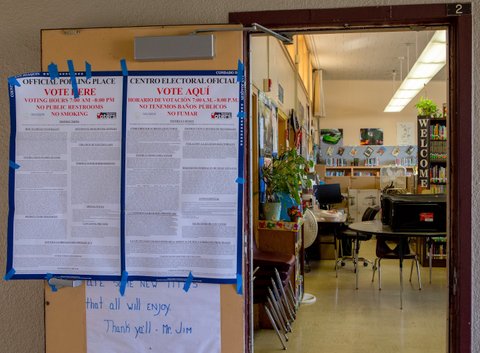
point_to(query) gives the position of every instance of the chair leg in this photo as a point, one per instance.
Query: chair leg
(275, 327)
(418, 273)
(290, 305)
(379, 274)
(292, 296)
(281, 309)
(411, 271)
(276, 311)
(374, 268)
(279, 335)
(278, 290)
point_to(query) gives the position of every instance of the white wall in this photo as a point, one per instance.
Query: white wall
(355, 104)
(21, 302)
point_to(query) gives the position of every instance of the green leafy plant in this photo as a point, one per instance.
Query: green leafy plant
(286, 173)
(426, 107)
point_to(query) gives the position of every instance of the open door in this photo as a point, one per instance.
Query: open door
(103, 48)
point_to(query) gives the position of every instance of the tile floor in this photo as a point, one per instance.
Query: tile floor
(345, 320)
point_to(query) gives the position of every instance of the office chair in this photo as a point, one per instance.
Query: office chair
(356, 238)
(383, 251)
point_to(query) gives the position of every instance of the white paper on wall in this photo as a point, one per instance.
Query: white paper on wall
(152, 317)
(405, 134)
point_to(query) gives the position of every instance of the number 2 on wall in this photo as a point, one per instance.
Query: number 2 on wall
(459, 9)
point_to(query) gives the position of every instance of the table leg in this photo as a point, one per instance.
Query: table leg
(335, 239)
(355, 265)
(400, 259)
(430, 258)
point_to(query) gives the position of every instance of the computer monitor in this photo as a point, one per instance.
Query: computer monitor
(327, 194)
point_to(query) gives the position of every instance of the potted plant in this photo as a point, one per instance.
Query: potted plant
(284, 178)
(426, 107)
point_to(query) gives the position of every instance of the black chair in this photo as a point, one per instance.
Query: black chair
(355, 238)
(384, 251)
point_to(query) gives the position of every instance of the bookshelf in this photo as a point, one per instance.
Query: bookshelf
(355, 171)
(438, 155)
(437, 184)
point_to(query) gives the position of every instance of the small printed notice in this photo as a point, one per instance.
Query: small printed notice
(152, 317)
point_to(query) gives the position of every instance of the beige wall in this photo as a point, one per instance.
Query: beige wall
(21, 303)
(269, 60)
(355, 104)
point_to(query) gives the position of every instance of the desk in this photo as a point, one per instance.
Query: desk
(287, 238)
(336, 219)
(376, 227)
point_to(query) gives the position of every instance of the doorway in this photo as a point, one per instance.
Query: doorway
(459, 30)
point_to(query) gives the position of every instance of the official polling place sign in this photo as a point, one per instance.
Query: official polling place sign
(152, 317)
(135, 174)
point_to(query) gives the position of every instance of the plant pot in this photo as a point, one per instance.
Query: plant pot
(287, 201)
(272, 210)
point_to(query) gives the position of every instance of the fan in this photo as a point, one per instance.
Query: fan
(393, 177)
(310, 229)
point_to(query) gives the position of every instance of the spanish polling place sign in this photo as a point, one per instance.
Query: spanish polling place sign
(132, 176)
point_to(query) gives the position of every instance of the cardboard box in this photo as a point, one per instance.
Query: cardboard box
(359, 200)
(411, 187)
(362, 182)
(344, 182)
(320, 170)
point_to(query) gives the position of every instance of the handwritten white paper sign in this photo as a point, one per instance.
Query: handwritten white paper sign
(152, 317)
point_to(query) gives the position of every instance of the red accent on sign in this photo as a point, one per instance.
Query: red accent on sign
(426, 217)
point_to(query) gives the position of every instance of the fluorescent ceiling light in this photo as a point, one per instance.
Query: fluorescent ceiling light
(429, 63)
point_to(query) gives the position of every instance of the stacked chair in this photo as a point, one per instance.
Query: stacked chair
(273, 289)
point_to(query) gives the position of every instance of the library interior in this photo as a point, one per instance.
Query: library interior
(351, 134)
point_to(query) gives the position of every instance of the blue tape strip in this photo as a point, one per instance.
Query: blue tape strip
(48, 277)
(188, 282)
(13, 165)
(9, 274)
(240, 71)
(73, 78)
(88, 70)
(241, 115)
(240, 180)
(13, 81)
(239, 284)
(123, 283)
(53, 71)
(123, 64)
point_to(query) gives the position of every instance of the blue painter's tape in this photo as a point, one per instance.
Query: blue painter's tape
(73, 78)
(48, 277)
(13, 81)
(240, 71)
(9, 274)
(88, 70)
(53, 71)
(240, 180)
(13, 165)
(123, 283)
(241, 115)
(188, 282)
(239, 284)
(123, 64)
